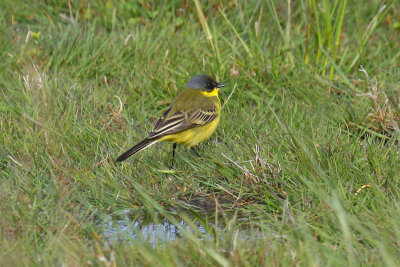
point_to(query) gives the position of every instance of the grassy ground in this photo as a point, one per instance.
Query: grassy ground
(304, 167)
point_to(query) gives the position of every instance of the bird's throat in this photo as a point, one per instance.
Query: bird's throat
(212, 93)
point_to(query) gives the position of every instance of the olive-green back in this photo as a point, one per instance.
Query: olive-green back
(192, 100)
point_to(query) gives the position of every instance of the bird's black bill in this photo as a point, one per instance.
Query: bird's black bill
(221, 84)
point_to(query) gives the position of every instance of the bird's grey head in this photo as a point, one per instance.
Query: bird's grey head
(204, 82)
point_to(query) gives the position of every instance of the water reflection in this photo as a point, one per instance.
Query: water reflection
(123, 228)
(117, 228)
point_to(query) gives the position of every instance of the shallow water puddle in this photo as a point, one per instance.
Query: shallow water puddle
(117, 229)
(125, 230)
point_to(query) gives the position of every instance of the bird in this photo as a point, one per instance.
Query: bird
(191, 118)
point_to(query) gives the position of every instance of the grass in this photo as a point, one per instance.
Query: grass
(303, 169)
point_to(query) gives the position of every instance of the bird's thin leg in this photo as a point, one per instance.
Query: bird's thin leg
(173, 156)
(195, 152)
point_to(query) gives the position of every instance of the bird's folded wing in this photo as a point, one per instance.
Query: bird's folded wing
(181, 121)
(160, 121)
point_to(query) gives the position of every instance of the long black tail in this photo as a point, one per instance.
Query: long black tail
(136, 148)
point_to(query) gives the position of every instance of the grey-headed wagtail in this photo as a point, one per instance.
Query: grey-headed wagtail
(191, 118)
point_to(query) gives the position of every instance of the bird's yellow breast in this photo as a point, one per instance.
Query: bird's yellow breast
(194, 136)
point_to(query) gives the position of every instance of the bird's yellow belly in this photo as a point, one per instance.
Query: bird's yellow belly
(193, 136)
